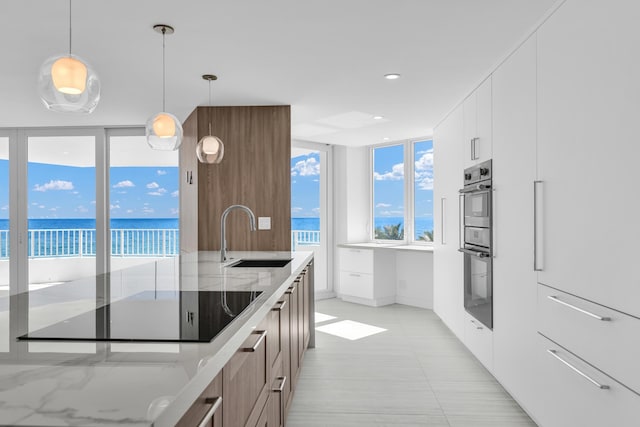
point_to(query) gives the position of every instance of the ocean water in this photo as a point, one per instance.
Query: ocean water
(84, 223)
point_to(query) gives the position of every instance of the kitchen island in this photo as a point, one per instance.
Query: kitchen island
(133, 383)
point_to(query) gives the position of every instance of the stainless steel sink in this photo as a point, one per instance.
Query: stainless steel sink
(264, 263)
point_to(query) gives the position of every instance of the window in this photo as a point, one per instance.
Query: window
(423, 191)
(403, 208)
(388, 193)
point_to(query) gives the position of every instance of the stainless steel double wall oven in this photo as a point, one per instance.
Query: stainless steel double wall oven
(476, 241)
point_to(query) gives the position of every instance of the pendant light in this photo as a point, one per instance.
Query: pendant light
(67, 83)
(163, 130)
(210, 148)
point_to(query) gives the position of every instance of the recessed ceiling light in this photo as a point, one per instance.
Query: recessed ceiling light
(385, 139)
(392, 76)
(378, 117)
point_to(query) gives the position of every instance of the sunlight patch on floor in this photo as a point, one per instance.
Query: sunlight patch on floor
(350, 330)
(321, 317)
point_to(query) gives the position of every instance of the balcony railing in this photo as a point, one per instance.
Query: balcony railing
(124, 242)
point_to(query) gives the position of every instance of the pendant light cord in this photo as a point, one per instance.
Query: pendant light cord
(210, 107)
(164, 30)
(69, 28)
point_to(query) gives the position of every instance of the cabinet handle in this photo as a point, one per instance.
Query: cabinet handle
(354, 275)
(263, 334)
(461, 221)
(554, 353)
(443, 205)
(476, 325)
(290, 290)
(280, 389)
(573, 307)
(282, 305)
(215, 403)
(537, 228)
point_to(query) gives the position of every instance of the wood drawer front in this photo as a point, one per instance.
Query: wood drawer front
(246, 381)
(356, 284)
(479, 340)
(204, 405)
(611, 345)
(274, 340)
(358, 260)
(568, 399)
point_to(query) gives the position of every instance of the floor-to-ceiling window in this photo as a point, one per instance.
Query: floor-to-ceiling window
(310, 220)
(4, 243)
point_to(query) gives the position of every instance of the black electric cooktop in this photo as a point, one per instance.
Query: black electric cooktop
(154, 316)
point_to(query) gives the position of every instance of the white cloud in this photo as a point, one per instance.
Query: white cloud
(123, 184)
(307, 167)
(316, 210)
(82, 209)
(75, 192)
(175, 193)
(34, 203)
(53, 209)
(148, 210)
(383, 205)
(54, 185)
(396, 173)
(153, 185)
(424, 170)
(158, 192)
(115, 206)
(174, 211)
(296, 209)
(161, 172)
(4, 208)
(41, 206)
(129, 210)
(93, 202)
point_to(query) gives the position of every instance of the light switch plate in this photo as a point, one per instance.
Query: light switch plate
(264, 223)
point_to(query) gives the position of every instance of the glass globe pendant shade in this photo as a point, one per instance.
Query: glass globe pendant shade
(68, 84)
(210, 149)
(164, 132)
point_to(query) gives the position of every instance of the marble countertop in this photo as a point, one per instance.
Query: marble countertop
(380, 245)
(54, 383)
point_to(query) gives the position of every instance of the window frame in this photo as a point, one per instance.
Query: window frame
(409, 191)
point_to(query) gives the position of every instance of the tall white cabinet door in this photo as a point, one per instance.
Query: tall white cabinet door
(514, 170)
(448, 265)
(478, 126)
(589, 151)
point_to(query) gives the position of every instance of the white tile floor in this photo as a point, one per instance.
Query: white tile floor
(416, 373)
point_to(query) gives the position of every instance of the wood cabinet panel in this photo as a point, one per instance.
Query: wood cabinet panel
(255, 172)
(246, 380)
(200, 409)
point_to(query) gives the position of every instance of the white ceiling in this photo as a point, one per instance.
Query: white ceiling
(324, 58)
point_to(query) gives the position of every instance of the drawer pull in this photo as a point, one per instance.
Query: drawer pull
(280, 389)
(290, 290)
(354, 275)
(476, 325)
(554, 353)
(263, 334)
(573, 307)
(282, 305)
(215, 403)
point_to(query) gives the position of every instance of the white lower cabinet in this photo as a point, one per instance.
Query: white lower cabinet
(367, 276)
(606, 338)
(576, 394)
(479, 340)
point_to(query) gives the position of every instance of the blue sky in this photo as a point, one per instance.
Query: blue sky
(69, 192)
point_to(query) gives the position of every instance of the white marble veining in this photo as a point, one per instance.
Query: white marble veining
(124, 384)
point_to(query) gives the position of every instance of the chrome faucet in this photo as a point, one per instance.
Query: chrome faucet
(223, 227)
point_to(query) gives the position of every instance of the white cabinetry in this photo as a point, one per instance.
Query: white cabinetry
(514, 170)
(572, 396)
(588, 110)
(479, 340)
(367, 276)
(478, 133)
(448, 265)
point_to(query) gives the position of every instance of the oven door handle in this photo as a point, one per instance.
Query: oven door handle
(475, 253)
(475, 188)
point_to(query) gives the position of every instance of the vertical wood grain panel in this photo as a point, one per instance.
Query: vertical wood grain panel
(255, 172)
(189, 192)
